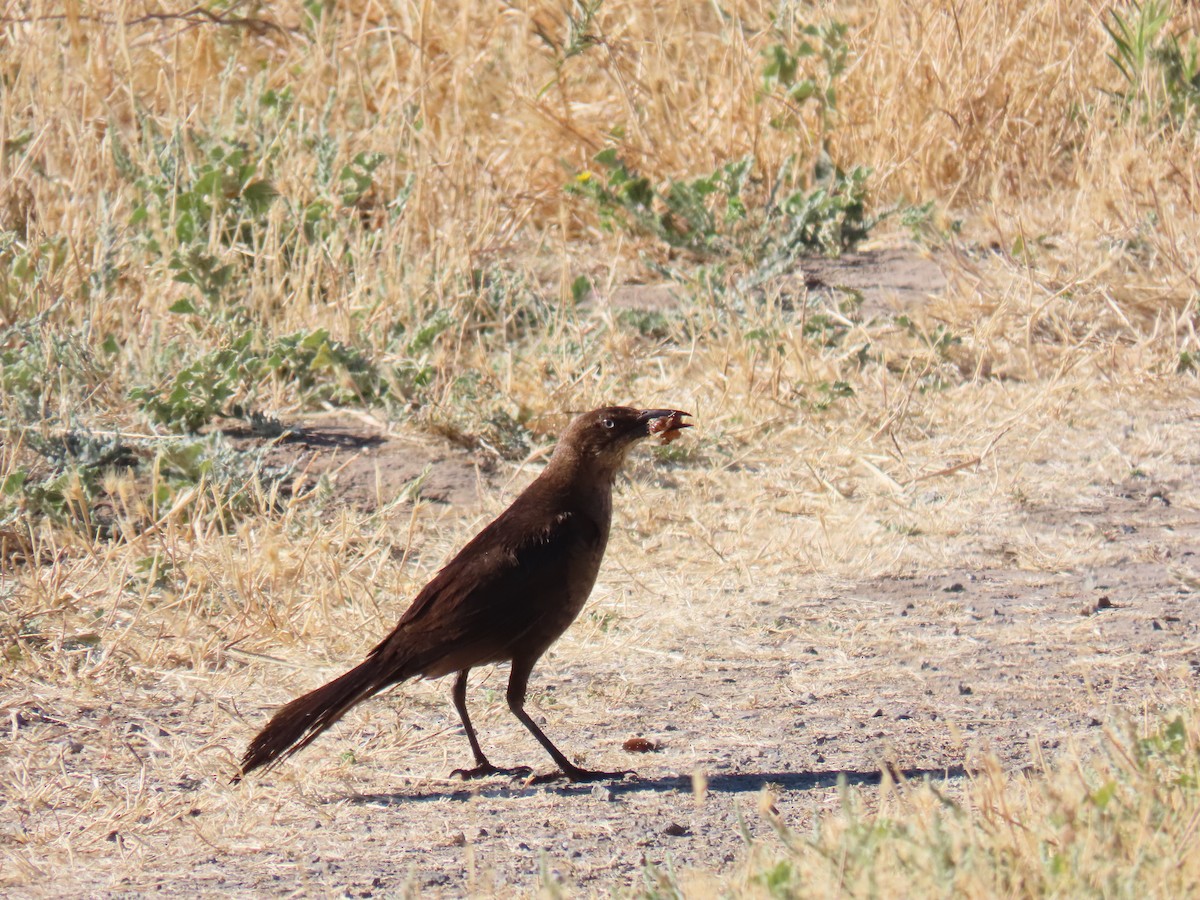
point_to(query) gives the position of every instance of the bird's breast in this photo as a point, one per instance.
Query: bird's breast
(578, 554)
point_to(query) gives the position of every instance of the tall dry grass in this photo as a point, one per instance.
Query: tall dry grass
(1000, 114)
(1000, 111)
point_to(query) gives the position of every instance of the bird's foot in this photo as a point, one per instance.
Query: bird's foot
(486, 769)
(575, 774)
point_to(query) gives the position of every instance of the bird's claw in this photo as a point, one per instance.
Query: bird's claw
(483, 771)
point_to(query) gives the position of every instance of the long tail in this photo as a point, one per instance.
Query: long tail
(299, 723)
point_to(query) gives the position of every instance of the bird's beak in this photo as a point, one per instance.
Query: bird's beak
(659, 421)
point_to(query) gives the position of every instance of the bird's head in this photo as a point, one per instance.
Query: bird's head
(603, 436)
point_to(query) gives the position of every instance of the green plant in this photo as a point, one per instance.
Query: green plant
(221, 195)
(819, 396)
(358, 176)
(1161, 73)
(581, 28)
(42, 368)
(322, 369)
(319, 369)
(691, 214)
(237, 480)
(1135, 37)
(648, 323)
(198, 198)
(824, 212)
(823, 206)
(27, 269)
(940, 340)
(786, 79)
(830, 217)
(63, 478)
(581, 35)
(197, 392)
(207, 203)
(67, 475)
(354, 185)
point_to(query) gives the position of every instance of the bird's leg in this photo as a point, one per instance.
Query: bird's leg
(518, 681)
(482, 766)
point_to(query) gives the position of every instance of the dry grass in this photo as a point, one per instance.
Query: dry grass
(159, 608)
(1118, 827)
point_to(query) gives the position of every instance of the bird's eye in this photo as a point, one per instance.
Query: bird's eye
(610, 424)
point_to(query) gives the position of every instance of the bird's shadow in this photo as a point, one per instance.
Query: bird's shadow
(733, 783)
(329, 438)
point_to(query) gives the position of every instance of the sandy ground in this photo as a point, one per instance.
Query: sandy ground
(754, 683)
(788, 688)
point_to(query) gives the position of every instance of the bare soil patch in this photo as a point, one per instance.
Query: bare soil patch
(887, 278)
(884, 280)
(771, 696)
(367, 465)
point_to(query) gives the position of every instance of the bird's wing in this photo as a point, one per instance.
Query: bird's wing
(512, 577)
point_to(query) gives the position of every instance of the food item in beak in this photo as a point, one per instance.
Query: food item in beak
(668, 427)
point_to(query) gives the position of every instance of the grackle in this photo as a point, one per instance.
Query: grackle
(506, 597)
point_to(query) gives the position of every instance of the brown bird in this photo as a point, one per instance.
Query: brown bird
(506, 597)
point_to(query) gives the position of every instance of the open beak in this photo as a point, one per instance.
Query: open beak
(666, 422)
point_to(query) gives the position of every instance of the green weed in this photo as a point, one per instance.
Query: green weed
(813, 205)
(318, 368)
(581, 34)
(710, 218)
(1161, 71)
(30, 274)
(46, 373)
(648, 323)
(788, 79)
(71, 478)
(940, 340)
(206, 203)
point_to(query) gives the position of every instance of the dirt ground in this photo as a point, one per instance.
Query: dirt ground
(754, 679)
